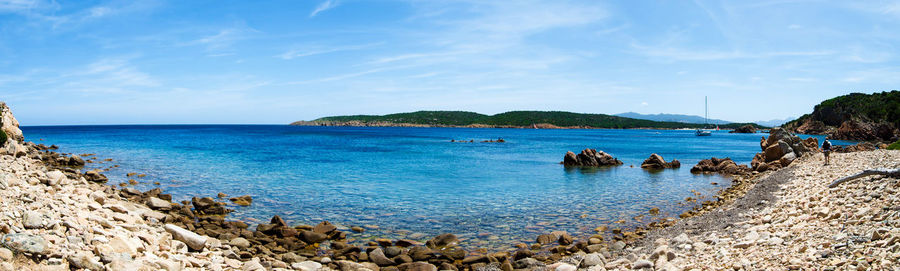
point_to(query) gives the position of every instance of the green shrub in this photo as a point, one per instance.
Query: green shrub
(894, 146)
(2, 138)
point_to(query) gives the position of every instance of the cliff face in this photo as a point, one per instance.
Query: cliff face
(855, 116)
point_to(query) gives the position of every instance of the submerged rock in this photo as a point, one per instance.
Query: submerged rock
(244, 200)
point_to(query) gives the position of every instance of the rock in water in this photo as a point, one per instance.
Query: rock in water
(443, 240)
(193, 240)
(656, 161)
(75, 161)
(244, 200)
(25, 243)
(207, 205)
(590, 158)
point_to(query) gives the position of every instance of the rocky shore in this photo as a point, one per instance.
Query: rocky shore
(55, 216)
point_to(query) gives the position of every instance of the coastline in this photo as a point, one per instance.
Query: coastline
(125, 222)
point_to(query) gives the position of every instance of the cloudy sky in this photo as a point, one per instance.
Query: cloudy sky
(148, 61)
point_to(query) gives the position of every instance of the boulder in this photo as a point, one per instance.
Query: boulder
(208, 206)
(193, 240)
(656, 161)
(324, 227)
(84, 260)
(15, 149)
(158, 204)
(417, 266)
(722, 166)
(95, 176)
(75, 161)
(776, 150)
(590, 158)
(312, 237)
(746, 129)
(55, 177)
(377, 256)
(33, 220)
(25, 243)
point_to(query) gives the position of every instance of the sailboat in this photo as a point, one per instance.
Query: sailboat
(701, 132)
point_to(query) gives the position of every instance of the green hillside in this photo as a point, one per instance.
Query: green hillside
(512, 118)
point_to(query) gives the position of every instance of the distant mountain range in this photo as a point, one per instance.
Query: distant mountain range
(694, 119)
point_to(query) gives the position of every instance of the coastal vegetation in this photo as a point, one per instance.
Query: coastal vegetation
(894, 146)
(524, 119)
(3, 138)
(855, 116)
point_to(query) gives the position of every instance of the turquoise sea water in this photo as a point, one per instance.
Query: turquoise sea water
(413, 182)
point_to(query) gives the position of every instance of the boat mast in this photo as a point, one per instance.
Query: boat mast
(706, 114)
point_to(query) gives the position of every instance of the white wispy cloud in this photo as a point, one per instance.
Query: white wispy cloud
(318, 50)
(221, 43)
(328, 4)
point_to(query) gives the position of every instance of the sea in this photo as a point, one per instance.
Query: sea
(414, 183)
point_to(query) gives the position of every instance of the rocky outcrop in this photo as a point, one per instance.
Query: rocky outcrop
(813, 127)
(780, 149)
(656, 161)
(723, 166)
(590, 158)
(862, 146)
(855, 116)
(864, 130)
(746, 129)
(10, 125)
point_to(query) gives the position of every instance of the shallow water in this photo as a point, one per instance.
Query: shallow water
(413, 182)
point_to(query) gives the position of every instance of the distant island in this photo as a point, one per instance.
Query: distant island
(855, 116)
(672, 118)
(512, 119)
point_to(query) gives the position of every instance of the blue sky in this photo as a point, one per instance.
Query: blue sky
(122, 62)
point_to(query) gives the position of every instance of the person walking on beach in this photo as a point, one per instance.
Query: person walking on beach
(826, 149)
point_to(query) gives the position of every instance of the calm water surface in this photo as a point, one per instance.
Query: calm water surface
(413, 182)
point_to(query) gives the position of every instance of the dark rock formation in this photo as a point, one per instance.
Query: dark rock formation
(746, 129)
(723, 166)
(863, 130)
(590, 158)
(855, 116)
(655, 161)
(862, 146)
